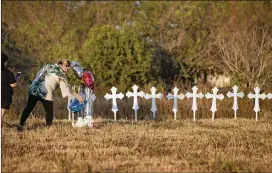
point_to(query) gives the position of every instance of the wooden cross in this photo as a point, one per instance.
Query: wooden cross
(257, 96)
(135, 95)
(214, 96)
(114, 96)
(194, 95)
(175, 97)
(153, 96)
(235, 94)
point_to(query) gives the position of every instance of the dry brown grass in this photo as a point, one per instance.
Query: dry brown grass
(163, 145)
(146, 146)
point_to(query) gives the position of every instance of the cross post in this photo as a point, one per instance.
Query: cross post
(90, 98)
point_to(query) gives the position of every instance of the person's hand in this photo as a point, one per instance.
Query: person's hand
(76, 95)
(80, 99)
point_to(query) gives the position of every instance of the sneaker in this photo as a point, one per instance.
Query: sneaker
(20, 128)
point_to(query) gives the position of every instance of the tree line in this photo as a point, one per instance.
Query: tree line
(162, 43)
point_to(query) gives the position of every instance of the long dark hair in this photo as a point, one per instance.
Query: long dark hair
(4, 58)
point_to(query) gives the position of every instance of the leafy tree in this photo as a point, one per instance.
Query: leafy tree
(116, 57)
(178, 39)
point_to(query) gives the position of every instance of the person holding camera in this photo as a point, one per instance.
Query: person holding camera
(8, 82)
(42, 89)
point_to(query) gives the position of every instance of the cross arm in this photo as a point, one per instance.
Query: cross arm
(250, 95)
(208, 95)
(107, 96)
(262, 96)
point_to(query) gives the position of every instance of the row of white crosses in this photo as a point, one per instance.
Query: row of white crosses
(194, 95)
(135, 94)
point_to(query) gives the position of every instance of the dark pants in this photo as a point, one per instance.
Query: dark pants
(5, 105)
(32, 101)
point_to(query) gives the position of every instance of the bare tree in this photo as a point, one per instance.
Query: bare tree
(245, 53)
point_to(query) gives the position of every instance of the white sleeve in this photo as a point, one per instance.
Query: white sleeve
(66, 90)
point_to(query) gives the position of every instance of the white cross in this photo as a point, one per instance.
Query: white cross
(214, 96)
(153, 96)
(175, 97)
(90, 98)
(257, 96)
(70, 99)
(194, 95)
(235, 94)
(269, 96)
(135, 95)
(80, 92)
(114, 96)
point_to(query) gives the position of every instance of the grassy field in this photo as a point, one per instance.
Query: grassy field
(146, 146)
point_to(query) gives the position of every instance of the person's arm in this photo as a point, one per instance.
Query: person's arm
(66, 90)
(80, 99)
(11, 79)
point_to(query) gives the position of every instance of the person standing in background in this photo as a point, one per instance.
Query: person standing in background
(8, 82)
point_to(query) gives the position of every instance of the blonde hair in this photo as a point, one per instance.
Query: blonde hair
(64, 61)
